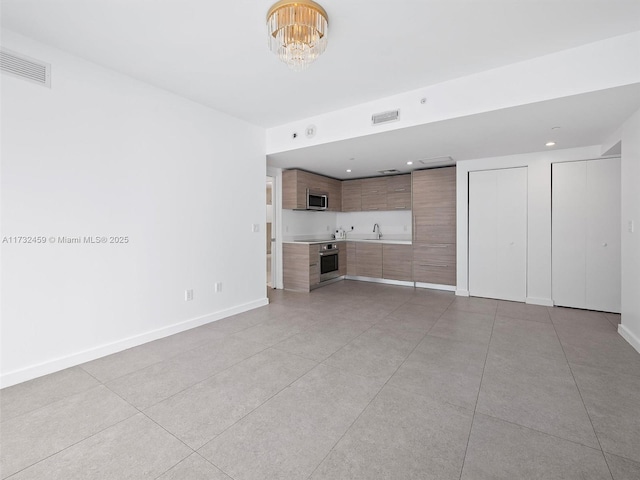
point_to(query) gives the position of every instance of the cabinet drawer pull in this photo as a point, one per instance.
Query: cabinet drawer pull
(371, 208)
(313, 265)
(401, 208)
(401, 190)
(433, 265)
(436, 245)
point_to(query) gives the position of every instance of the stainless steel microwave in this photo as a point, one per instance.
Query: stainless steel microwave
(317, 201)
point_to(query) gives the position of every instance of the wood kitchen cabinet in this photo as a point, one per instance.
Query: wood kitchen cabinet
(379, 193)
(351, 259)
(351, 195)
(301, 265)
(342, 259)
(295, 184)
(397, 262)
(374, 194)
(399, 192)
(369, 259)
(434, 225)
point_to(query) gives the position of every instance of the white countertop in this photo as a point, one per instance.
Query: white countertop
(392, 241)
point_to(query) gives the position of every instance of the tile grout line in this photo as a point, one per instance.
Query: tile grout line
(254, 409)
(475, 407)
(595, 433)
(72, 445)
(374, 397)
(173, 435)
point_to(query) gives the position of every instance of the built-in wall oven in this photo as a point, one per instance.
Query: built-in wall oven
(329, 262)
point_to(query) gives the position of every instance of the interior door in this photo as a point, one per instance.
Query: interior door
(498, 234)
(483, 221)
(568, 227)
(603, 241)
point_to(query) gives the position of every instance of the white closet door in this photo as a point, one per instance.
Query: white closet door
(483, 220)
(498, 234)
(603, 241)
(568, 227)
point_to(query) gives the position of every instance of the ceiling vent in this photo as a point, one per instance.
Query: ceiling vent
(391, 171)
(437, 160)
(21, 66)
(384, 117)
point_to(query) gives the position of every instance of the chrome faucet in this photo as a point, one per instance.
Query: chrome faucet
(379, 233)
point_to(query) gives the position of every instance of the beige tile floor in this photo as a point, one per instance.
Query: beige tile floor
(352, 381)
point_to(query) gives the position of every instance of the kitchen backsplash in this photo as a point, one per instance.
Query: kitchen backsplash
(300, 224)
(393, 224)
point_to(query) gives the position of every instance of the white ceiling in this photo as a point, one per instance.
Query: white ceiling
(216, 52)
(584, 120)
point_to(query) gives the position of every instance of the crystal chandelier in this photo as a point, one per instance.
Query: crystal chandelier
(297, 32)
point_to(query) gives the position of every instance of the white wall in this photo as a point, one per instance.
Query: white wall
(102, 154)
(538, 211)
(393, 224)
(630, 326)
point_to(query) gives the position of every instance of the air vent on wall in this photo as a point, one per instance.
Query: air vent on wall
(384, 117)
(391, 171)
(21, 66)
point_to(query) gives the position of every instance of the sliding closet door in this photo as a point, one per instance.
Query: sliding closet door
(569, 233)
(586, 234)
(498, 234)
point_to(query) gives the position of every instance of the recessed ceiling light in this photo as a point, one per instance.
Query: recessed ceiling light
(555, 128)
(349, 171)
(550, 144)
(409, 163)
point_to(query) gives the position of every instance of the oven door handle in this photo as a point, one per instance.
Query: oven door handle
(326, 254)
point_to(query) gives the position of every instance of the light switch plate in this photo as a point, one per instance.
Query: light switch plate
(255, 228)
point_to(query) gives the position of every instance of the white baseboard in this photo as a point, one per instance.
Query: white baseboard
(379, 280)
(546, 302)
(462, 293)
(57, 364)
(436, 286)
(629, 336)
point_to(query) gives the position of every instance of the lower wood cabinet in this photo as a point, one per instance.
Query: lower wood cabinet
(351, 259)
(301, 265)
(435, 263)
(397, 262)
(369, 260)
(378, 260)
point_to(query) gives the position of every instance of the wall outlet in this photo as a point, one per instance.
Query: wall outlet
(255, 228)
(188, 295)
(632, 226)
(217, 287)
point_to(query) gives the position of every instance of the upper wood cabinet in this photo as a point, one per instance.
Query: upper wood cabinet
(374, 194)
(295, 184)
(379, 193)
(352, 195)
(399, 192)
(362, 195)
